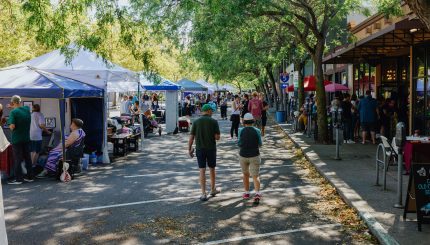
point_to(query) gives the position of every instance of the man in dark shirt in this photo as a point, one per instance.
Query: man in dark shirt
(205, 131)
(367, 108)
(348, 133)
(19, 123)
(249, 155)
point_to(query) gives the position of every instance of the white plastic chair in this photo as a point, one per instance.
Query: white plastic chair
(391, 152)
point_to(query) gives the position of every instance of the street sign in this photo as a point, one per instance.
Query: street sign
(284, 85)
(284, 77)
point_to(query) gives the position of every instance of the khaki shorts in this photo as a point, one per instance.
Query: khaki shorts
(250, 165)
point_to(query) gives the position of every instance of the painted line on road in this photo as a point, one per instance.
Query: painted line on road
(226, 194)
(236, 239)
(195, 171)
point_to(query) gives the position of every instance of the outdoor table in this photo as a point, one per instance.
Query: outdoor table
(133, 142)
(6, 160)
(120, 144)
(415, 150)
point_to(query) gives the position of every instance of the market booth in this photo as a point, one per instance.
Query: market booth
(89, 68)
(192, 87)
(60, 99)
(172, 91)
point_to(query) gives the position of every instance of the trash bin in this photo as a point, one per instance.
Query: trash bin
(280, 116)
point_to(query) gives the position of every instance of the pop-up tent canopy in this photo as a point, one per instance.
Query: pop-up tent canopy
(30, 82)
(190, 86)
(88, 67)
(172, 96)
(211, 88)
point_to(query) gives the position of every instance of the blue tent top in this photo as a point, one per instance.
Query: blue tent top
(32, 83)
(165, 85)
(189, 85)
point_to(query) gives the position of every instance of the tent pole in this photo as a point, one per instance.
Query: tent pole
(142, 133)
(61, 103)
(105, 117)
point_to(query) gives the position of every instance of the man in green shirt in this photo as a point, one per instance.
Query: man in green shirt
(205, 131)
(19, 123)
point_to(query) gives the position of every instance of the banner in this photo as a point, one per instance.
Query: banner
(296, 79)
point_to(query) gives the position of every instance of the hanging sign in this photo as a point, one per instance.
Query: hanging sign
(284, 77)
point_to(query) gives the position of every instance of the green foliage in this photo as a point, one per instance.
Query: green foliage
(389, 7)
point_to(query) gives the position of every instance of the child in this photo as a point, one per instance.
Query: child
(249, 155)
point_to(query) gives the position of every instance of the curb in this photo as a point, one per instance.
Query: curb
(374, 226)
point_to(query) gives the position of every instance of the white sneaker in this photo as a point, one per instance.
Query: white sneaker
(351, 142)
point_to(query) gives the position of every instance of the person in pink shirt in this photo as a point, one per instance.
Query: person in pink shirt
(255, 107)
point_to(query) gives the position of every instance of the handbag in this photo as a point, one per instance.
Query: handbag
(65, 176)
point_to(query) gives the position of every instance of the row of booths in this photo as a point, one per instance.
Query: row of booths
(78, 87)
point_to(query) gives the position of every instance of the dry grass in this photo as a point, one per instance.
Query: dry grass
(331, 204)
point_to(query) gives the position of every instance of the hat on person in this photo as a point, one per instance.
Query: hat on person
(15, 99)
(248, 117)
(207, 107)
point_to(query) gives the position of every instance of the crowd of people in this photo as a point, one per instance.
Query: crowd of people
(360, 117)
(27, 128)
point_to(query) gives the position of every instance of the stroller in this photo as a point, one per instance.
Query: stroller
(149, 126)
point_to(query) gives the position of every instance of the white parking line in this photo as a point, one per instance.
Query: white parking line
(195, 171)
(223, 194)
(236, 239)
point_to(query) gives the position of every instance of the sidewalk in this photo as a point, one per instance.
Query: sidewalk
(354, 177)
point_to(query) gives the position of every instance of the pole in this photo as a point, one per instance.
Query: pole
(399, 203)
(337, 143)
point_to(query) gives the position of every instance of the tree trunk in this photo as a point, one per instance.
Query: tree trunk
(422, 9)
(267, 92)
(301, 90)
(320, 93)
(272, 82)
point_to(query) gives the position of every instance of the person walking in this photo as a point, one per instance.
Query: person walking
(249, 156)
(245, 104)
(255, 107)
(235, 117)
(368, 110)
(19, 123)
(223, 108)
(205, 131)
(263, 114)
(37, 127)
(348, 132)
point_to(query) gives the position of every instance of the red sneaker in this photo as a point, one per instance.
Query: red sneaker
(246, 196)
(257, 197)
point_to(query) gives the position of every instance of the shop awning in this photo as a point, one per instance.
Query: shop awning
(385, 43)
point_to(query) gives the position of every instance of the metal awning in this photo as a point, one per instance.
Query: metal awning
(390, 41)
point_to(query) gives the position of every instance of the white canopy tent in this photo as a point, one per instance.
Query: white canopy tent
(172, 91)
(87, 67)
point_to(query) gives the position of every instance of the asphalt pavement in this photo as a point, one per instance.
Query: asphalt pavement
(152, 197)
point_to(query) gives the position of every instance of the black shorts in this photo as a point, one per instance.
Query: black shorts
(264, 121)
(368, 126)
(206, 157)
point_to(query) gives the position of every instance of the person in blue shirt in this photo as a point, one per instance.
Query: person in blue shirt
(249, 155)
(367, 108)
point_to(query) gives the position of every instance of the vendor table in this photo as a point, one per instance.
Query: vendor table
(123, 143)
(120, 144)
(416, 151)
